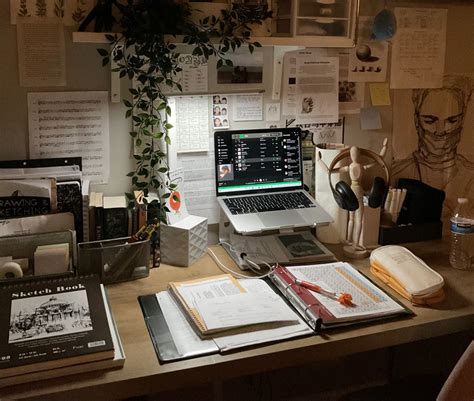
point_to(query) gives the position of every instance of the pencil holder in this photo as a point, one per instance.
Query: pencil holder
(114, 260)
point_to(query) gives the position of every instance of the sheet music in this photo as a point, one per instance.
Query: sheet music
(67, 124)
(418, 52)
(41, 52)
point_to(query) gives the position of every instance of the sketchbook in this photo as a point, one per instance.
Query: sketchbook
(320, 311)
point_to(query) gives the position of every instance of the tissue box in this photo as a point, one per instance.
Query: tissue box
(184, 242)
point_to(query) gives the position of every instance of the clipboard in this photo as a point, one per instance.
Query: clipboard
(160, 333)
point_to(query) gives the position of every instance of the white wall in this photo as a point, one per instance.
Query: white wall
(84, 72)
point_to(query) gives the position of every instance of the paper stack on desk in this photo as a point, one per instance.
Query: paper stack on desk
(174, 331)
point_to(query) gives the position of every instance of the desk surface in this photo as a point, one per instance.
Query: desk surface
(143, 373)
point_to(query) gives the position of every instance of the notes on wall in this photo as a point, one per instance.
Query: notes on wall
(248, 107)
(190, 118)
(419, 47)
(67, 124)
(310, 85)
(41, 52)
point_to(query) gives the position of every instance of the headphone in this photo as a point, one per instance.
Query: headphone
(345, 196)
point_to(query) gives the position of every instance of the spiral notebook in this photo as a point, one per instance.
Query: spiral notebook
(52, 323)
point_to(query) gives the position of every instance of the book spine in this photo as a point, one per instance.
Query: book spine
(99, 222)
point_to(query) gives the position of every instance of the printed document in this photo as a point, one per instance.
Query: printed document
(241, 310)
(41, 52)
(310, 86)
(341, 277)
(419, 47)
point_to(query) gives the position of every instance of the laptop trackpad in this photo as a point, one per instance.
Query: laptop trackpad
(288, 218)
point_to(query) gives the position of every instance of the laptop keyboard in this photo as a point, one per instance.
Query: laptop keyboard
(268, 203)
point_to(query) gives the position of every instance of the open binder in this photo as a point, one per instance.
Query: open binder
(319, 311)
(175, 337)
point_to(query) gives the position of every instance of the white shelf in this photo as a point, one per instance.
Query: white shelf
(308, 41)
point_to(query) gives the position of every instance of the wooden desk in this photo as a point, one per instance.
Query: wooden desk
(142, 373)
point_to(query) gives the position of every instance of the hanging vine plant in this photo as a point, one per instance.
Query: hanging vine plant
(144, 53)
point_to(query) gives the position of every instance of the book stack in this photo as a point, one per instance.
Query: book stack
(56, 328)
(43, 186)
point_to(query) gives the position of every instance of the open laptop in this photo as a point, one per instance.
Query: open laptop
(264, 166)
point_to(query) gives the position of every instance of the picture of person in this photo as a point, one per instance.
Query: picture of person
(224, 100)
(217, 111)
(223, 111)
(225, 123)
(216, 99)
(225, 172)
(217, 122)
(307, 105)
(439, 118)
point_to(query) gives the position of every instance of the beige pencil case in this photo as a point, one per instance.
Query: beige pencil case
(407, 274)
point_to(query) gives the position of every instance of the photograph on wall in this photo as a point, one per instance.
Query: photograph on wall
(246, 69)
(220, 111)
(433, 139)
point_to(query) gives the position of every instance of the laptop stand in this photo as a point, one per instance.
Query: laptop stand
(270, 246)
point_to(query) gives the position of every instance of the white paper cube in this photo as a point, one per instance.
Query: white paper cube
(184, 242)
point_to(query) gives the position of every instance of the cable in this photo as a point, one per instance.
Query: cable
(237, 274)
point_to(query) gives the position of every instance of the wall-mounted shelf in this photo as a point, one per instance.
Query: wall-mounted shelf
(306, 41)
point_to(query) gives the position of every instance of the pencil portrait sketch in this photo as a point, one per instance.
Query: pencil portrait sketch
(444, 155)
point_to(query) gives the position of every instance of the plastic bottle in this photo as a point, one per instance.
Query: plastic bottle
(462, 236)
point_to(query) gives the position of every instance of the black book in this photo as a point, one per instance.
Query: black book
(51, 324)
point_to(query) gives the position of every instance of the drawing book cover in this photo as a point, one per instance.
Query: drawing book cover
(51, 320)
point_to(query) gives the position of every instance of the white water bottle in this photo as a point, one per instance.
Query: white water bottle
(462, 236)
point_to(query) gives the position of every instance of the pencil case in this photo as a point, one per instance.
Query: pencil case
(407, 274)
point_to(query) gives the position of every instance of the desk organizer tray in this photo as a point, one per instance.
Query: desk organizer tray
(24, 246)
(114, 260)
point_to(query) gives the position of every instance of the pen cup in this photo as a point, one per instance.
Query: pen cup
(114, 260)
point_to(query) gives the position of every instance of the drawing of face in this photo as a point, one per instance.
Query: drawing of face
(307, 106)
(439, 122)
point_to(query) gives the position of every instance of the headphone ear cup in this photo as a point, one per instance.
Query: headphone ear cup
(377, 193)
(345, 197)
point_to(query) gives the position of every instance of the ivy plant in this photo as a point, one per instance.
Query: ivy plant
(144, 53)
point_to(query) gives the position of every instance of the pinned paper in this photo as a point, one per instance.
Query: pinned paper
(379, 94)
(370, 118)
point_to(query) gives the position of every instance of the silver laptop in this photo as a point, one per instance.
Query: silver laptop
(259, 181)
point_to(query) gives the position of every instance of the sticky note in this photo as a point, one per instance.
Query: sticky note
(379, 94)
(370, 118)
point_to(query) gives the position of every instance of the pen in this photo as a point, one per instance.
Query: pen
(343, 298)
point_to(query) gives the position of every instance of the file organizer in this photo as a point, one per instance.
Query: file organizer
(114, 260)
(24, 246)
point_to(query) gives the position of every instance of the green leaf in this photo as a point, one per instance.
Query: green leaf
(103, 52)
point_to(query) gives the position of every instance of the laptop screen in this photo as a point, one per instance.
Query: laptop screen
(260, 160)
